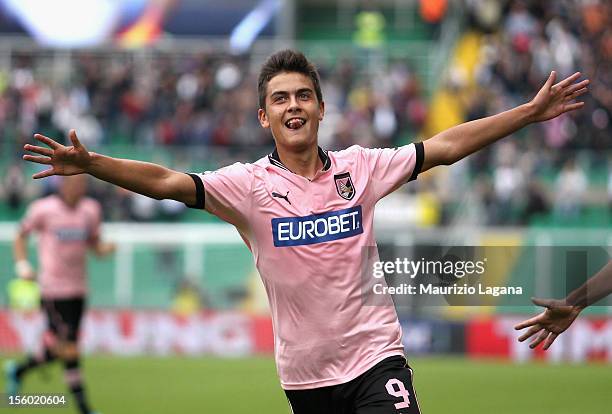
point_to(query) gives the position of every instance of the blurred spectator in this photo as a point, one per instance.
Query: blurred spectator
(536, 204)
(610, 187)
(570, 190)
(485, 14)
(432, 11)
(520, 24)
(171, 210)
(508, 185)
(142, 208)
(370, 27)
(187, 299)
(14, 183)
(205, 104)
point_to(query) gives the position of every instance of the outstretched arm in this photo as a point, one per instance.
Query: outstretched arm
(560, 314)
(595, 289)
(462, 140)
(149, 179)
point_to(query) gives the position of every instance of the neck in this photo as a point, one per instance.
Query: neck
(71, 203)
(305, 163)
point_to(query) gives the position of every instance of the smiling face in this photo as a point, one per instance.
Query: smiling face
(292, 111)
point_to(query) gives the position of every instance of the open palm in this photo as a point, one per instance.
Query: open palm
(63, 160)
(549, 324)
(553, 99)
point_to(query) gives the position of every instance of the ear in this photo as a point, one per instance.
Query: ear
(321, 110)
(263, 118)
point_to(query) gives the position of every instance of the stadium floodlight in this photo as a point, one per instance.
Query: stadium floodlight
(67, 23)
(245, 33)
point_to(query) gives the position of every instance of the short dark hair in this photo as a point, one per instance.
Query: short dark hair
(286, 61)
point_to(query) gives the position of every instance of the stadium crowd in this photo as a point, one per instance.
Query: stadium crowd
(523, 41)
(208, 101)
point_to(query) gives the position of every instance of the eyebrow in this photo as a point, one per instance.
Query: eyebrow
(283, 93)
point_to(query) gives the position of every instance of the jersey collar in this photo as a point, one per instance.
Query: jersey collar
(275, 159)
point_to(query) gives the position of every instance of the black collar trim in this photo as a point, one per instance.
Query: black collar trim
(275, 159)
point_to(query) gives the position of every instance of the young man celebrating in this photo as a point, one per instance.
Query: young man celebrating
(68, 225)
(306, 214)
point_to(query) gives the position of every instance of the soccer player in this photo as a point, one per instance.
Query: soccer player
(560, 314)
(68, 225)
(306, 214)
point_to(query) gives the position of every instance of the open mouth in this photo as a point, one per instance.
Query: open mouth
(295, 123)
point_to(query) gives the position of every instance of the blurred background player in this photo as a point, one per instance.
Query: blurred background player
(68, 225)
(560, 314)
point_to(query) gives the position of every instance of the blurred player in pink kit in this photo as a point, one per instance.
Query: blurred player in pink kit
(68, 225)
(306, 214)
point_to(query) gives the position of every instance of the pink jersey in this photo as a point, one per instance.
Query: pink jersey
(308, 239)
(64, 236)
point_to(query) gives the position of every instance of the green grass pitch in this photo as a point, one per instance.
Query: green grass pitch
(215, 385)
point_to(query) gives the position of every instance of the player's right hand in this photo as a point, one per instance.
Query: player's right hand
(549, 324)
(24, 270)
(62, 159)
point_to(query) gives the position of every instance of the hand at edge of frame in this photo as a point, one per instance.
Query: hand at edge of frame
(549, 324)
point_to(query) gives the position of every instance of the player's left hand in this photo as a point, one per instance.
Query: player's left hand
(104, 249)
(555, 99)
(549, 324)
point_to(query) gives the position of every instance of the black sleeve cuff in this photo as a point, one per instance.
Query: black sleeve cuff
(420, 156)
(199, 187)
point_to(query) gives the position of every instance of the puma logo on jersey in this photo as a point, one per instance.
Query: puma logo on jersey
(285, 197)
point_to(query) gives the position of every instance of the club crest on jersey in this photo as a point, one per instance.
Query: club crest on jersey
(344, 185)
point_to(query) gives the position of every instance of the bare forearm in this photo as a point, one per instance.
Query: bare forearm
(145, 178)
(467, 138)
(596, 288)
(137, 176)
(23, 268)
(20, 248)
